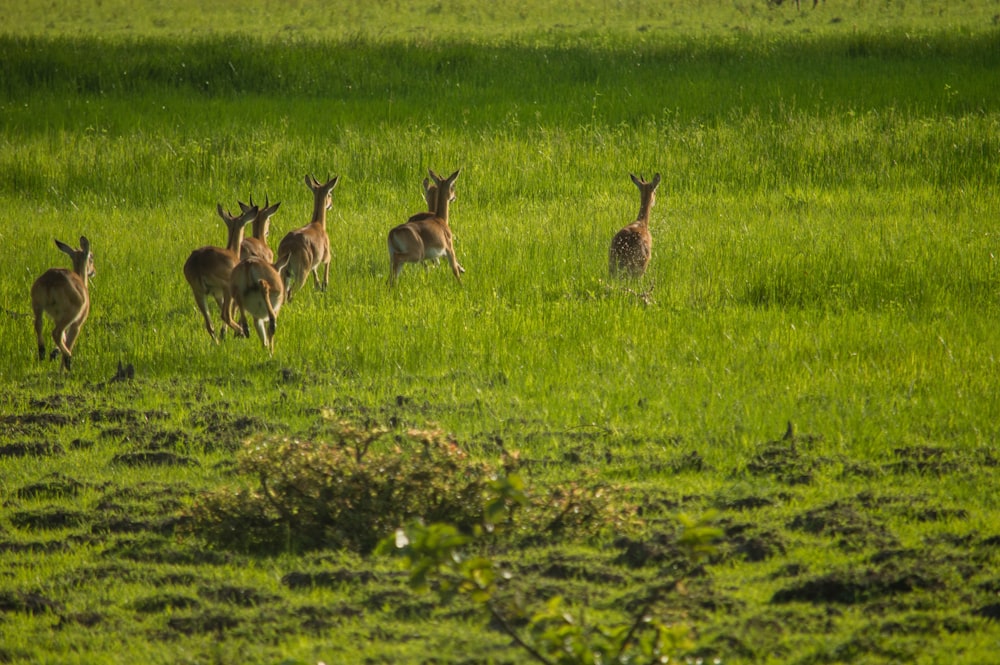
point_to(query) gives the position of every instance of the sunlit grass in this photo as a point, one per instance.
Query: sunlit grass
(824, 253)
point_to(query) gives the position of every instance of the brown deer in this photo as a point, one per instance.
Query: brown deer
(426, 235)
(305, 249)
(257, 290)
(208, 269)
(430, 196)
(63, 295)
(256, 245)
(631, 247)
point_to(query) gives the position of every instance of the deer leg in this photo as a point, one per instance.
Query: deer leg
(39, 323)
(59, 337)
(455, 268)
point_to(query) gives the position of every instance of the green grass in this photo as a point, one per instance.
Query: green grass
(824, 253)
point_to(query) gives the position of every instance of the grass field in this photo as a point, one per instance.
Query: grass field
(824, 253)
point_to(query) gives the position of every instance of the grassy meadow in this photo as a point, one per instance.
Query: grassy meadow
(825, 253)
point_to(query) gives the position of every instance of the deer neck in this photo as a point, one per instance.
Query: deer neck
(83, 271)
(644, 209)
(235, 238)
(259, 225)
(441, 209)
(319, 210)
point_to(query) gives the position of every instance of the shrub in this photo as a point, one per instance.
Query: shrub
(305, 495)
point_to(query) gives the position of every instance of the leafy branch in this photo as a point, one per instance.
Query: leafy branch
(555, 634)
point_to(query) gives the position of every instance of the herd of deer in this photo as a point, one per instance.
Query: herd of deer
(244, 276)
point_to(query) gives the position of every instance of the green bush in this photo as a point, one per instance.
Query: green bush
(305, 495)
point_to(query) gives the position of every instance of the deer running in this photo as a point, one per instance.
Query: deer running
(256, 245)
(303, 250)
(208, 270)
(632, 246)
(257, 290)
(65, 296)
(426, 235)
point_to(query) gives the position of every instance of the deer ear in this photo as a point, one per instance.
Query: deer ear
(636, 179)
(454, 176)
(64, 248)
(84, 244)
(218, 209)
(656, 180)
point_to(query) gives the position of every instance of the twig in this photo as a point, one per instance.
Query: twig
(507, 628)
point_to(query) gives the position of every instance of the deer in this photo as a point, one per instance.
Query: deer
(208, 269)
(631, 247)
(64, 295)
(430, 196)
(256, 288)
(426, 235)
(304, 250)
(256, 245)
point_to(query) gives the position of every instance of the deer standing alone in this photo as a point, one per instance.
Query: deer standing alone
(426, 235)
(632, 246)
(65, 296)
(257, 289)
(430, 196)
(256, 245)
(303, 250)
(208, 270)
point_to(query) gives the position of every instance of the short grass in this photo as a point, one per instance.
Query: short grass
(824, 253)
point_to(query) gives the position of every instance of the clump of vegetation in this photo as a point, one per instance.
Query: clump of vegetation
(347, 493)
(341, 494)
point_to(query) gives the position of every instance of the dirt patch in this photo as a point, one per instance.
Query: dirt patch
(48, 518)
(327, 579)
(990, 611)
(28, 603)
(120, 524)
(751, 543)
(207, 622)
(34, 547)
(32, 449)
(53, 486)
(163, 602)
(153, 458)
(316, 619)
(126, 416)
(939, 460)
(659, 550)
(45, 420)
(235, 595)
(148, 547)
(851, 528)
(933, 460)
(569, 568)
(222, 430)
(787, 460)
(853, 586)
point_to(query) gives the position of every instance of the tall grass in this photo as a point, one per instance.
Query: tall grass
(824, 253)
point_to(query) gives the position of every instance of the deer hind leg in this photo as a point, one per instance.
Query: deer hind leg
(59, 337)
(326, 274)
(455, 268)
(243, 325)
(72, 332)
(201, 300)
(229, 306)
(260, 325)
(39, 325)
